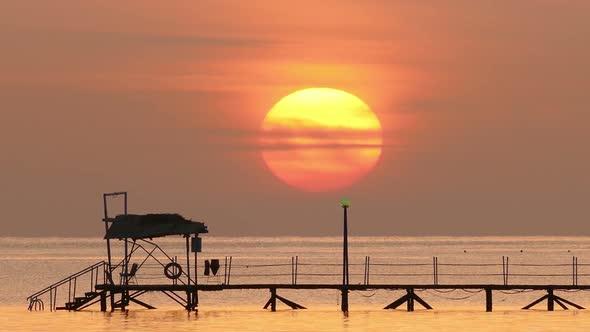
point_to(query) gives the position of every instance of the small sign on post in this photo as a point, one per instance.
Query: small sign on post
(196, 244)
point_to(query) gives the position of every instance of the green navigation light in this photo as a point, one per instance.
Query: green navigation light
(345, 202)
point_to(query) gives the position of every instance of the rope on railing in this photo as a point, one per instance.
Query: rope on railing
(469, 264)
(453, 298)
(400, 264)
(518, 291)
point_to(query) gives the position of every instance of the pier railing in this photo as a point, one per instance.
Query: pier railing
(432, 275)
(295, 270)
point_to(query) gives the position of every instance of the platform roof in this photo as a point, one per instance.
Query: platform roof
(146, 226)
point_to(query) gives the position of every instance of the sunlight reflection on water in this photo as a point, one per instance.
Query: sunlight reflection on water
(27, 265)
(243, 318)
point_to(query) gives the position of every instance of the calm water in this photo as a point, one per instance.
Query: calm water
(27, 265)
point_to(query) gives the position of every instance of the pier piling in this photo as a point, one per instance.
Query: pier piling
(273, 299)
(344, 302)
(410, 301)
(103, 301)
(550, 298)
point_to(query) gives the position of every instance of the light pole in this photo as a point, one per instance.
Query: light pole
(345, 203)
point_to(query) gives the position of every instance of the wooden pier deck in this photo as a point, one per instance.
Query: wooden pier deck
(407, 299)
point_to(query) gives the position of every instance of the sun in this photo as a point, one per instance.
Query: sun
(321, 139)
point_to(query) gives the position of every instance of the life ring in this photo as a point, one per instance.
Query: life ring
(170, 267)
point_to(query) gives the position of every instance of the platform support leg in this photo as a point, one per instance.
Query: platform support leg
(141, 303)
(489, 300)
(188, 301)
(421, 301)
(112, 297)
(532, 304)
(561, 299)
(103, 301)
(397, 303)
(560, 303)
(291, 304)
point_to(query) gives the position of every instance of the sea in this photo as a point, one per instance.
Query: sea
(28, 265)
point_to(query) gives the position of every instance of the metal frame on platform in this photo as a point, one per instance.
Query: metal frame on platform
(191, 301)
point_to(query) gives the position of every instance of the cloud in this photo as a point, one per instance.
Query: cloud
(229, 139)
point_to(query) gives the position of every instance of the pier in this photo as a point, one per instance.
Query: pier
(146, 267)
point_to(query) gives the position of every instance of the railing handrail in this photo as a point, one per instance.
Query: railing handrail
(66, 279)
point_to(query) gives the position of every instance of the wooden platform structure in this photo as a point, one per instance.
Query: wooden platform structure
(115, 285)
(136, 232)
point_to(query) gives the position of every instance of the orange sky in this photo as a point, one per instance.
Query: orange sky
(483, 104)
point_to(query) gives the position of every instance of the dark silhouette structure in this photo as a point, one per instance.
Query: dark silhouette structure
(345, 203)
(132, 252)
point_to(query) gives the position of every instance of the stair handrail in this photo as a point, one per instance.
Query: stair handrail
(67, 279)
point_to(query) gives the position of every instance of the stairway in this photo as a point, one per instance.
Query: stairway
(80, 301)
(91, 274)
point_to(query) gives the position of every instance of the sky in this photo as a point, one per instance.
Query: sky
(484, 109)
